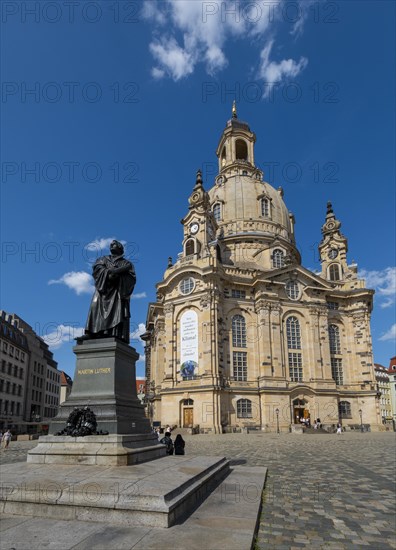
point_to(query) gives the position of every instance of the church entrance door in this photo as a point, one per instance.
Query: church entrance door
(300, 411)
(188, 417)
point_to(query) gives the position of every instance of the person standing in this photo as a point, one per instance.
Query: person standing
(7, 438)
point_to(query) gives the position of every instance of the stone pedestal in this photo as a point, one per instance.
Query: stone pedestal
(97, 450)
(105, 381)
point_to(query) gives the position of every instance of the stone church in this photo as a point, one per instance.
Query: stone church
(241, 334)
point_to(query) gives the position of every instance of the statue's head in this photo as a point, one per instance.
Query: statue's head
(116, 248)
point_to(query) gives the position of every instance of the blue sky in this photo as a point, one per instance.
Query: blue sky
(109, 108)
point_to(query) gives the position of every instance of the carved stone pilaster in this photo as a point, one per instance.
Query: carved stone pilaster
(205, 300)
(168, 309)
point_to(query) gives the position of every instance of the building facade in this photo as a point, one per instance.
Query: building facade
(384, 393)
(241, 334)
(30, 380)
(392, 387)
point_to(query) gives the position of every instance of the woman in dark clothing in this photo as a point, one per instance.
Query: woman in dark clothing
(179, 445)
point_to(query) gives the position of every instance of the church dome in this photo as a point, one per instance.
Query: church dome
(244, 206)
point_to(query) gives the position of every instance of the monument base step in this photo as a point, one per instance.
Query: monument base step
(157, 494)
(100, 450)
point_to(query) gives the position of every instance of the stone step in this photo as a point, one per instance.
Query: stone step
(157, 493)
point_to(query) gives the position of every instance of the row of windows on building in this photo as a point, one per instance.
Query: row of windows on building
(11, 370)
(265, 209)
(36, 396)
(50, 412)
(10, 408)
(38, 367)
(51, 400)
(294, 345)
(10, 387)
(13, 352)
(244, 409)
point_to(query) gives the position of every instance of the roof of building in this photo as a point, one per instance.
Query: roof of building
(65, 379)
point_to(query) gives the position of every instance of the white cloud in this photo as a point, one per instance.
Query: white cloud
(157, 73)
(79, 281)
(135, 334)
(176, 61)
(384, 283)
(189, 32)
(273, 72)
(139, 295)
(302, 9)
(62, 334)
(390, 334)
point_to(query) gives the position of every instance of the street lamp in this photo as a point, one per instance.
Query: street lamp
(361, 421)
(277, 421)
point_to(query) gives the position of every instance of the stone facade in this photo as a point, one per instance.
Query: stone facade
(392, 387)
(384, 393)
(241, 334)
(29, 380)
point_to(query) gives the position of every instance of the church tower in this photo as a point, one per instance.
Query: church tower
(241, 334)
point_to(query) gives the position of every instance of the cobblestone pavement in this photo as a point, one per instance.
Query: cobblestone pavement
(323, 491)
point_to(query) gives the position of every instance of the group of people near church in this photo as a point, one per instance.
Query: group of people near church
(176, 447)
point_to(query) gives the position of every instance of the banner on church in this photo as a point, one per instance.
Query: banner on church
(189, 343)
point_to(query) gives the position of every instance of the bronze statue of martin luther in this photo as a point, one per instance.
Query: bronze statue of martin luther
(109, 312)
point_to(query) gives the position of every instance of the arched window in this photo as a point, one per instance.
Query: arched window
(335, 272)
(188, 402)
(223, 156)
(244, 408)
(292, 290)
(238, 331)
(265, 208)
(217, 211)
(334, 339)
(344, 409)
(239, 358)
(278, 258)
(241, 150)
(190, 247)
(293, 333)
(335, 355)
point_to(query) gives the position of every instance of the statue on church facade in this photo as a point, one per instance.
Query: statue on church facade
(109, 312)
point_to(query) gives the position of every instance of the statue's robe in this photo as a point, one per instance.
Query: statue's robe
(109, 313)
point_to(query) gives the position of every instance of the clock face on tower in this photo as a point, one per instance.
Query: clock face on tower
(333, 253)
(194, 227)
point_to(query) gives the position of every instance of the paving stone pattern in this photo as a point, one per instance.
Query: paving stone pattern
(322, 492)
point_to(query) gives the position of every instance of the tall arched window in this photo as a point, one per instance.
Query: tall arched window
(217, 211)
(223, 156)
(241, 150)
(278, 258)
(244, 408)
(265, 208)
(190, 247)
(293, 334)
(238, 331)
(239, 358)
(335, 355)
(334, 339)
(335, 272)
